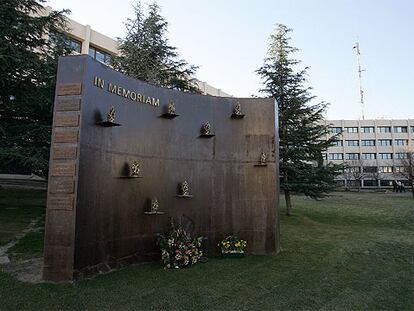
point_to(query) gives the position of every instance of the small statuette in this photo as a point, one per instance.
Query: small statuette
(237, 109)
(171, 108)
(206, 129)
(135, 169)
(110, 119)
(169, 111)
(111, 115)
(263, 158)
(185, 189)
(154, 206)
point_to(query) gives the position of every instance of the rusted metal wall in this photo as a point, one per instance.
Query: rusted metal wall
(96, 219)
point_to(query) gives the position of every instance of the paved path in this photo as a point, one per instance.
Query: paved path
(4, 259)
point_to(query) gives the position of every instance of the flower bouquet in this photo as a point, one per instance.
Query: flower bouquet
(178, 249)
(233, 247)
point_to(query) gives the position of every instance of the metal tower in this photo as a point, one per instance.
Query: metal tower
(360, 70)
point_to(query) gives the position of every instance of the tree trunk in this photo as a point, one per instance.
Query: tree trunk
(288, 203)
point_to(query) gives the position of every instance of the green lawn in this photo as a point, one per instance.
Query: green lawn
(17, 209)
(351, 251)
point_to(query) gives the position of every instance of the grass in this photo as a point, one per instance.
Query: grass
(18, 207)
(29, 246)
(351, 251)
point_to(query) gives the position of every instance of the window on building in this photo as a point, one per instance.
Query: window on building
(399, 169)
(100, 55)
(385, 156)
(367, 142)
(370, 183)
(351, 143)
(335, 130)
(400, 129)
(369, 156)
(71, 43)
(367, 129)
(74, 45)
(384, 129)
(386, 169)
(351, 129)
(384, 142)
(386, 183)
(412, 129)
(370, 169)
(352, 156)
(401, 142)
(353, 169)
(336, 156)
(354, 183)
(337, 143)
(401, 155)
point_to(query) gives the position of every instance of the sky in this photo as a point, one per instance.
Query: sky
(228, 40)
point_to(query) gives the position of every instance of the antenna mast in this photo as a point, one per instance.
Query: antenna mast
(360, 70)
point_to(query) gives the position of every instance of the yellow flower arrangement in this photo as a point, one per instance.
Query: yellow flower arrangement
(232, 245)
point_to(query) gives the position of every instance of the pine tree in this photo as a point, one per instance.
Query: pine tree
(301, 129)
(28, 64)
(145, 53)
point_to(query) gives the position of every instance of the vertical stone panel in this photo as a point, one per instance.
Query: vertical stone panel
(60, 225)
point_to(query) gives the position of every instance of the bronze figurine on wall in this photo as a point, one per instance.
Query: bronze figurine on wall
(237, 112)
(206, 130)
(171, 108)
(185, 190)
(262, 159)
(154, 208)
(135, 169)
(110, 117)
(170, 111)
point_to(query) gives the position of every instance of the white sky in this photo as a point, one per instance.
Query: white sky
(228, 40)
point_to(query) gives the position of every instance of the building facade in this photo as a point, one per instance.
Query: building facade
(84, 40)
(375, 151)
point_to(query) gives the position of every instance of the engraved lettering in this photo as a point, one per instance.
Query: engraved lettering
(98, 82)
(126, 93)
(112, 88)
(119, 91)
(155, 101)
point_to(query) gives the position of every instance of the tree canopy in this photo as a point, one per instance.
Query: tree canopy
(28, 64)
(302, 132)
(146, 54)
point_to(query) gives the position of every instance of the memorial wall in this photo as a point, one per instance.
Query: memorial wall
(127, 156)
